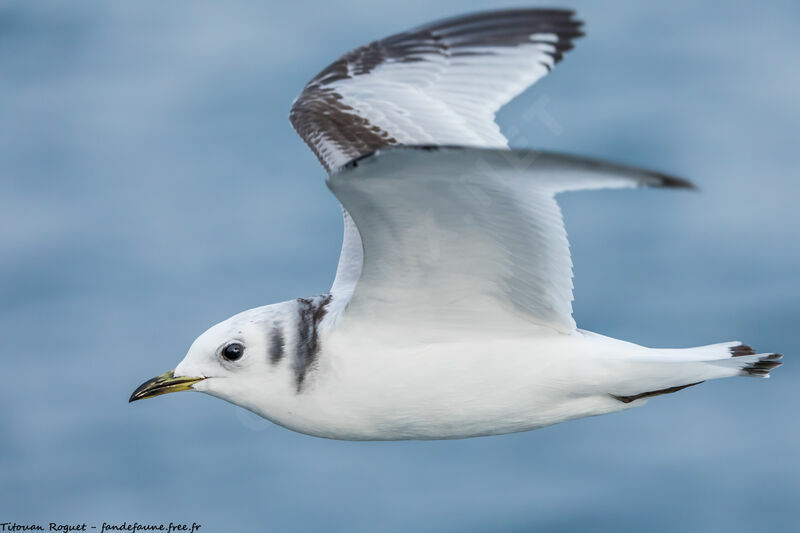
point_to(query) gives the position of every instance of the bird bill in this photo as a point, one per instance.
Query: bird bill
(163, 384)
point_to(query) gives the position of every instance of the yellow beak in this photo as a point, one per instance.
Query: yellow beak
(163, 384)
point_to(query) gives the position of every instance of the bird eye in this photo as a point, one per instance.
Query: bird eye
(233, 351)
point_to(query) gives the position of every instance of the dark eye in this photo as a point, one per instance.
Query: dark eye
(233, 351)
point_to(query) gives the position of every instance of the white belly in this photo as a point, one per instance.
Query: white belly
(376, 391)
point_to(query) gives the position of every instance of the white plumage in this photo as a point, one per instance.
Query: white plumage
(451, 312)
(465, 236)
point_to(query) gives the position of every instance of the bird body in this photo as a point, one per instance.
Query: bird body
(451, 312)
(371, 381)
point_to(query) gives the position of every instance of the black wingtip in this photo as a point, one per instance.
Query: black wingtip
(671, 182)
(762, 367)
(741, 350)
(650, 394)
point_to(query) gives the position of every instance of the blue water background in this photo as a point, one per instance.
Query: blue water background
(151, 185)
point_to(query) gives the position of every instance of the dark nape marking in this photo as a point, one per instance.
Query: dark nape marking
(742, 349)
(311, 311)
(669, 390)
(762, 367)
(276, 343)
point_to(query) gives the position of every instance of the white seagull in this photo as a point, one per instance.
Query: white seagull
(451, 312)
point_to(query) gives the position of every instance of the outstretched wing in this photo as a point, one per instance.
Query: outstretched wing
(464, 238)
(441, 83)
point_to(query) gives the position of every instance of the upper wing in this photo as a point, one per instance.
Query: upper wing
(441, 83)
(459, 237)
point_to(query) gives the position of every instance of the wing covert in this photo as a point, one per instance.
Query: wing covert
(459, 238)
(441, 83)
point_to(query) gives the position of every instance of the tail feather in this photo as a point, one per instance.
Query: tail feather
(674, 370)
(750, 363)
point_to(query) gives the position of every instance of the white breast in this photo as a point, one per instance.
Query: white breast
(368, 390)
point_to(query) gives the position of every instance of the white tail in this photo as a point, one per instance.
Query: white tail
(663, 371)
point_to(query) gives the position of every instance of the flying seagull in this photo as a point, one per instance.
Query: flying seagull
(450, 315)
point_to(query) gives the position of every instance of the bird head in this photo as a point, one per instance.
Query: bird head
(237, 360)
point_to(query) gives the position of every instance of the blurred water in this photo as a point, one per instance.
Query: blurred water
(150, 185)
